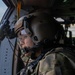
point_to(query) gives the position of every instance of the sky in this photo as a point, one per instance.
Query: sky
(3, 8)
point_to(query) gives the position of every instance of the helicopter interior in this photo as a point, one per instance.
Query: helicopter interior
(64, 9)
(60, 9)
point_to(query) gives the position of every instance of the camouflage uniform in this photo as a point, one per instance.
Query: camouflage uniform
(26, 60)
(55, 63)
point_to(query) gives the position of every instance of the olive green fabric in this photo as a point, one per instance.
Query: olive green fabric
(25, 59)
(55, 63)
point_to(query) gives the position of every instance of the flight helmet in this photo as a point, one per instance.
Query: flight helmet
(40, 26)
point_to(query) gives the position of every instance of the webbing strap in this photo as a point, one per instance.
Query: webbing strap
(18, 8)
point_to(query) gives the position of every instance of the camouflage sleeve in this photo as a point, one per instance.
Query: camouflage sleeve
(47, 65)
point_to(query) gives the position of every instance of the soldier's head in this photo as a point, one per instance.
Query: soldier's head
(24, 40)
(39, 27)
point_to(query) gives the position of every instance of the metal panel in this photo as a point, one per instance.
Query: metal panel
(6, 57)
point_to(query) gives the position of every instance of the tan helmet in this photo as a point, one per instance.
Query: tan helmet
(19, 26)
(20, 23)
(44, 27)
(40, 26)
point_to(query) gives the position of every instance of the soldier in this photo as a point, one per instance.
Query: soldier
(39, 37)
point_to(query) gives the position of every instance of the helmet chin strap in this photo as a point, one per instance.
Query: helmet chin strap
(36, 47)
(25, 50)
(32, 50)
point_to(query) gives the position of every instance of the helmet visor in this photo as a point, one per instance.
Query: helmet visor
(23, 32)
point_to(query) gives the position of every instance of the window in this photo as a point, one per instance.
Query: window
(3, 8)
(72, 29)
